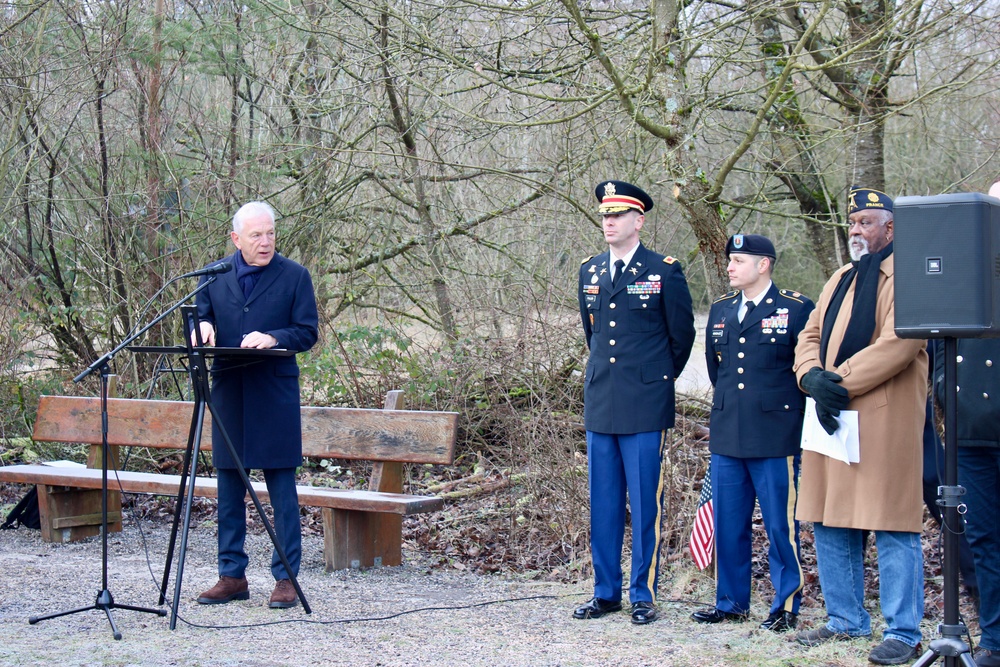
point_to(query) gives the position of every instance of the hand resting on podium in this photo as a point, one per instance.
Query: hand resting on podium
(254, 339)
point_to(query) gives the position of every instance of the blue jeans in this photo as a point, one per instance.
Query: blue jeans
(979, 473)
(841, 560)
(934, 464)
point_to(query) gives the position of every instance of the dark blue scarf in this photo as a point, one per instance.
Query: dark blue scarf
(247, 275)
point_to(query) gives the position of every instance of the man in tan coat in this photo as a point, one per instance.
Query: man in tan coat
(848, 356)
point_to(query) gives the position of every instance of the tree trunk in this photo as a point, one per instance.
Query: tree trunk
(690, 187)
(403, 123)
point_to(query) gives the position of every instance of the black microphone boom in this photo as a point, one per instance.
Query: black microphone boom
(221, 267)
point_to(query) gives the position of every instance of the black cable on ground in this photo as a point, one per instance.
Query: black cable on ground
(311, 621)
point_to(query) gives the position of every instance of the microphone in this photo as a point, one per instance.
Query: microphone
(221, 267)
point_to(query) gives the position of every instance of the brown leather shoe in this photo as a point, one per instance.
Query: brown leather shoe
(283, 596)
(225, 590)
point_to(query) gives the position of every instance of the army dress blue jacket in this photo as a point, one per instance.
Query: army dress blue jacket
(640, 335)
(758, 407)
(978, 382)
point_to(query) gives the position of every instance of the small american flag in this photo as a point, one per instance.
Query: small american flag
(703, 532)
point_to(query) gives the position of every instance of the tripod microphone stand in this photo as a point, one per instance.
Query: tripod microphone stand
(950, 646)
(105, 601)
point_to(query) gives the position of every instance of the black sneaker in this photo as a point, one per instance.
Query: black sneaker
(987, 658)
(893, 652)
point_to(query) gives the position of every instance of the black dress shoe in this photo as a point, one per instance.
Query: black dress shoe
(780, 621)
(596, 607)
(716, 615)
(643, 613)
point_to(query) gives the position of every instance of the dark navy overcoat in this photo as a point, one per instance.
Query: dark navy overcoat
(640, 335)
(258, 400)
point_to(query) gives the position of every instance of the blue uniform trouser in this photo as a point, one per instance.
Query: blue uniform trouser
(736, 483)
(933, 478)
(979, 473)
(620, 463)
(233, 521)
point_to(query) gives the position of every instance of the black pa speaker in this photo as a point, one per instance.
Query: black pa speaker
(947, 266)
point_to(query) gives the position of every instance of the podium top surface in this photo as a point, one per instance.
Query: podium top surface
(210, 351)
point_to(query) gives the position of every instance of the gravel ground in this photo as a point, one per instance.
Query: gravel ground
(408, 615)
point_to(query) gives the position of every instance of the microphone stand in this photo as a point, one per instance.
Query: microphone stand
(105, 601)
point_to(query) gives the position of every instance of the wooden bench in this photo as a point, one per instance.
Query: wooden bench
(361, 528)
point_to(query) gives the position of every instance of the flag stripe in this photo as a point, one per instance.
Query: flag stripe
(703, 532)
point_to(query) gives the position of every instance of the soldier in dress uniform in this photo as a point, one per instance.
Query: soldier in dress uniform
(756, 428)
(639, 325)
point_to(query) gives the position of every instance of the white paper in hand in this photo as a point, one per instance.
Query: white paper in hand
(842, 445)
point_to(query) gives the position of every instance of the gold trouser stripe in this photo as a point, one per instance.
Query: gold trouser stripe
(655, 565)
(792, 499)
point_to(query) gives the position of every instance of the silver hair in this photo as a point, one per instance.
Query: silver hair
(883, 215)
(250, 210)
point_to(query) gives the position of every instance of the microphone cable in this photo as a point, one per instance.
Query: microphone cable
(311, 621)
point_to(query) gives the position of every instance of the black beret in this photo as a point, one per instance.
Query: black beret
(750, 244)
(618, 196)
(861, 199)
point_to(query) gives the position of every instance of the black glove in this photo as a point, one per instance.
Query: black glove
(827, 418)
(822, 386)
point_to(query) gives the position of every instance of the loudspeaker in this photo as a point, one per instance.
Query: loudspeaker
(947, 266)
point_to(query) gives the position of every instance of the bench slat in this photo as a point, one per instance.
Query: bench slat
(168, 485)
(408, 436)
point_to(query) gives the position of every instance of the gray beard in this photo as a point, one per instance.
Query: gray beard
(858, 253)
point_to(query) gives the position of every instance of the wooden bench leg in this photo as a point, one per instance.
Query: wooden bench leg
(353, 539)
(68, 515)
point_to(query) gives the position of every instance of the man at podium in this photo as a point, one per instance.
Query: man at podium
(266, 302)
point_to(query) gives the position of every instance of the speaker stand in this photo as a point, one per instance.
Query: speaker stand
(950, 646)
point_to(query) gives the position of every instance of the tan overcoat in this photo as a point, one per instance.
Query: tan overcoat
(887, 385)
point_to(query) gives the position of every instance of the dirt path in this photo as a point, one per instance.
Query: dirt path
(456, 618)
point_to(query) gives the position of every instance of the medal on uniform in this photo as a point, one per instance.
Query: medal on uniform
(644, 287)
(778, 321)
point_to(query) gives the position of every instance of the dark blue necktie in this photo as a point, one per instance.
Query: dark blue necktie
(619, 270)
